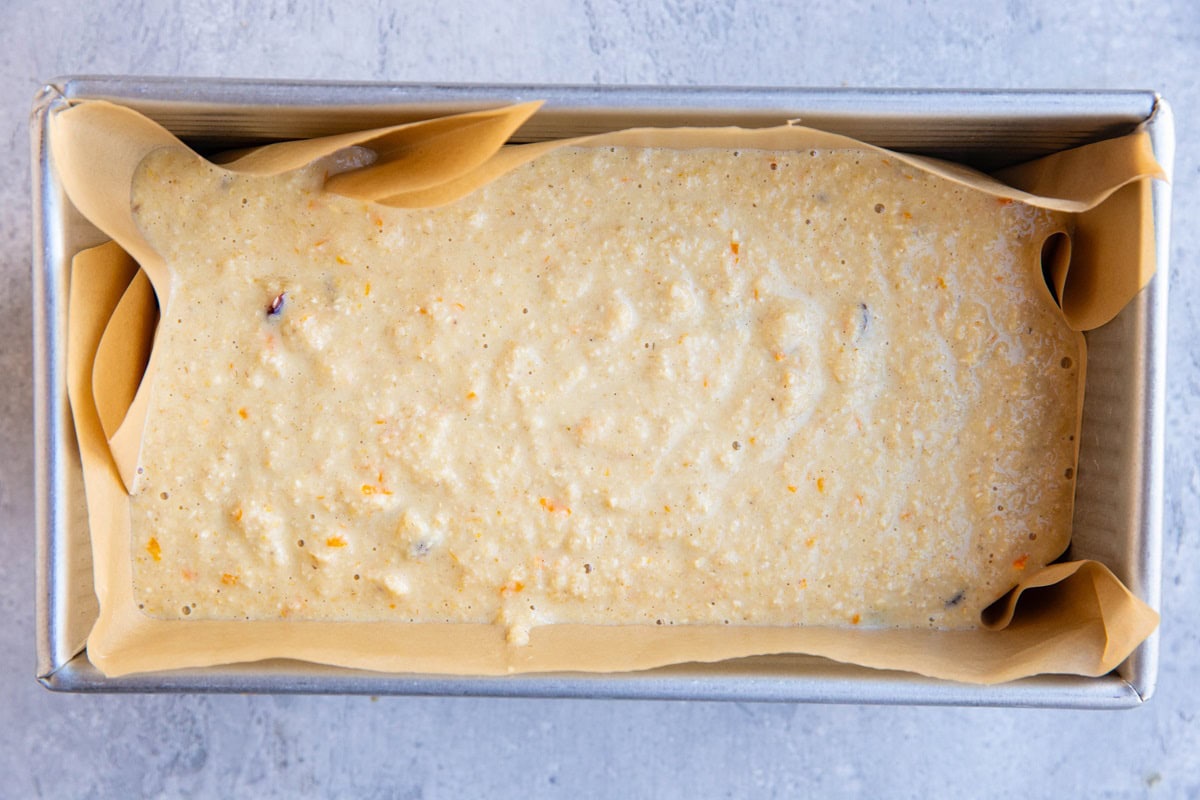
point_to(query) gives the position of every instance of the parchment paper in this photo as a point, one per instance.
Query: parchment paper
(1067, 618)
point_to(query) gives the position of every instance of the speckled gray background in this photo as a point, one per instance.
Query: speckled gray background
(183, 746)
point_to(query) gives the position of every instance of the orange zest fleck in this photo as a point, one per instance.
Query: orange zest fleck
(367, 289)
(460, 306)
(320, 242)
(1021, 562)
(549, 505)
(667, 509)
(379, 222)
(810, 541)
(941, 282)
(512, 587)
(368, 489)
(858, 498)
(791, 488)
(471, 395)
(804, 583)
(905, 214)
(335, 541)
(1003, 201)
(154, 549)
(237, 514)
(855, 619)
(381, 421)
(187, 574)
(228, 579)
(340, 260)
(780, 356)
(820, 484)
(733, 247)
(243, 413)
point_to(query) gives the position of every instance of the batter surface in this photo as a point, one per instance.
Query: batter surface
(614, 386)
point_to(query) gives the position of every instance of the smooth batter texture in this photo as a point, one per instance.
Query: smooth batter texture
(616, 386)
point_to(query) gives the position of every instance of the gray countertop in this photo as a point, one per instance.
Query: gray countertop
(261, 746)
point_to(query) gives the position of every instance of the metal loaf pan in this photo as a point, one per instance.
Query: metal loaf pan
(1118, 517)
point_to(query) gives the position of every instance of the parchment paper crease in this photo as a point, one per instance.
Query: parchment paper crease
(1067, 618)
